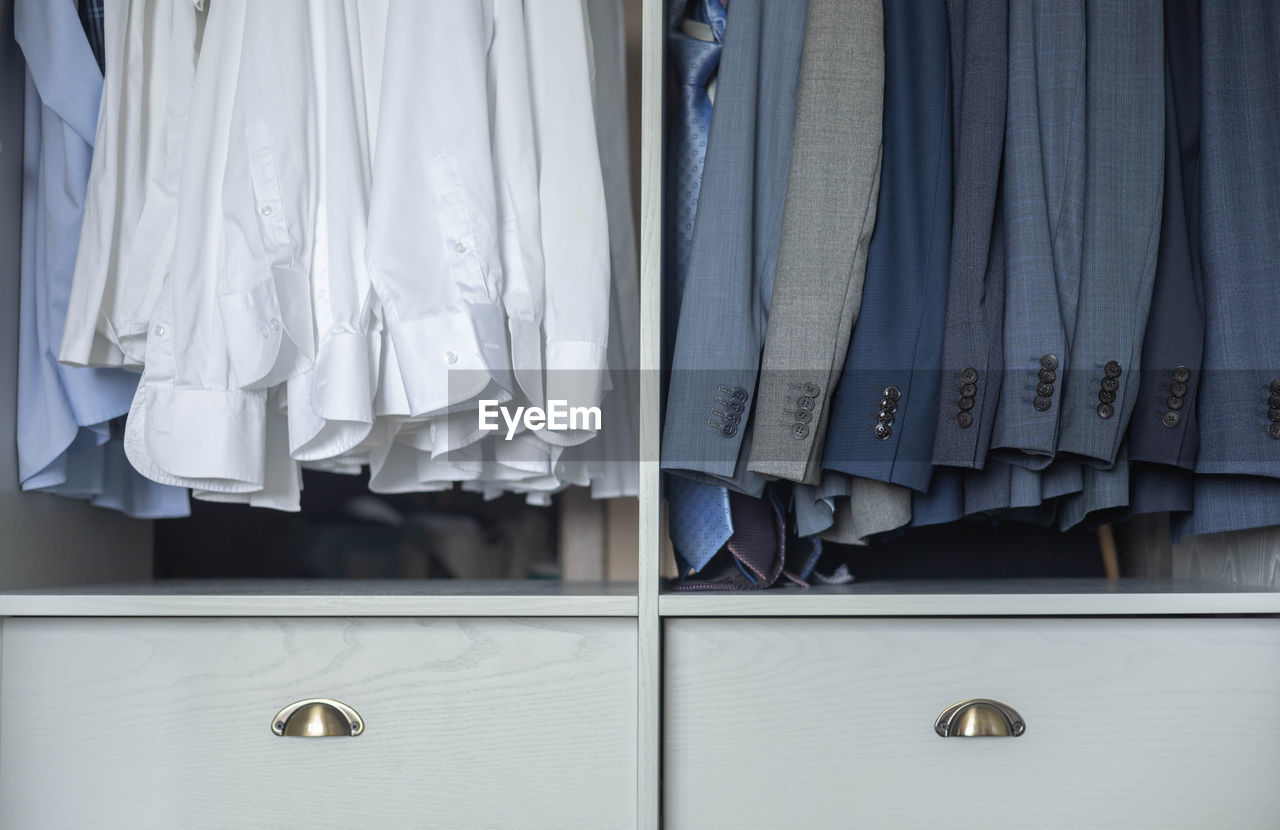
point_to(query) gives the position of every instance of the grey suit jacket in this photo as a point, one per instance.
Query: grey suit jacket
(826, 229)
(1124, 185)
(725, 307)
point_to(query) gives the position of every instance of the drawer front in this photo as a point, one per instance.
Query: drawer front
(469, 723)
(829, 723)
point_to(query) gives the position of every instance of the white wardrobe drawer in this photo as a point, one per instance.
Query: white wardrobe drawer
(829, 723)
(469, 723)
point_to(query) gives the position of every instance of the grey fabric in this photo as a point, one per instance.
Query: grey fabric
(827, 224)
(872, 507)
(1043, 192)
(849, 510)
(725, 307)
(972, 341)
(1124, 183)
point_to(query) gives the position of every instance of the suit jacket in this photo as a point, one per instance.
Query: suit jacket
(1043, 191)
(1163, 432)
(735, 244)
(1123, 191)
(884, 412)
(1239, 458)
(827, 222)
(972, 340)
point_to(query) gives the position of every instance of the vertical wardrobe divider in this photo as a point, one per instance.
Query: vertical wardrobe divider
(649, 692)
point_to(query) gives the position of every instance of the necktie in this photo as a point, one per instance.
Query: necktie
(699, 516)
(693, 62)
(699, 519)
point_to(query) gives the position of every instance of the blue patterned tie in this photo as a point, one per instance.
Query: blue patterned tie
(699, 513)
(699, 520)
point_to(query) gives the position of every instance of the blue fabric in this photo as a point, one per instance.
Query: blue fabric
(92, 19)
(1043, 192)
(1175, 327)
(700, 522)
(975, 289)
(693, 64)
(733, 253)
(65, 442)
(898, 337)
(1237, 485)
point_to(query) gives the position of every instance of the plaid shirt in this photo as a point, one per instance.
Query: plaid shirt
(91, 18)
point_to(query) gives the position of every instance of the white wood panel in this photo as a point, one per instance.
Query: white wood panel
(650, 688)
(165, 724)
(327, 598)
(1131, 724)
(981, 598)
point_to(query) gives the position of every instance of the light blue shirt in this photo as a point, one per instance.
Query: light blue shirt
(66, 443)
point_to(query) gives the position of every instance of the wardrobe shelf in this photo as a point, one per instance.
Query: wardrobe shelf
(327, 598)
(980, 598)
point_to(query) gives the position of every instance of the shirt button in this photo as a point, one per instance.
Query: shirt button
(1105, 411)
(969, 375)
(1171, 419)
(266, 210)
(1113, 369)
(450, 357)
(160, 330)
(1041, 404)
(1049, 362)
(461, 247)
(964, 420)
(275, 324)
(1182, 374)
(800, 432)
(265, 332)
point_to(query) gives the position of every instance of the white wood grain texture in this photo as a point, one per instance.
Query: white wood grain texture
(582, 535)
(143, 724)
(1243, 557)
(981, 598)
(327, 598)
(650, 646)
(1131, 724)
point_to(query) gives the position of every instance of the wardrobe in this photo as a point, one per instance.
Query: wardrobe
(603, 699)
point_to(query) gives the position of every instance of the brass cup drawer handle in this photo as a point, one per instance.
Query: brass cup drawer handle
(979, 718)
(317, 717)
